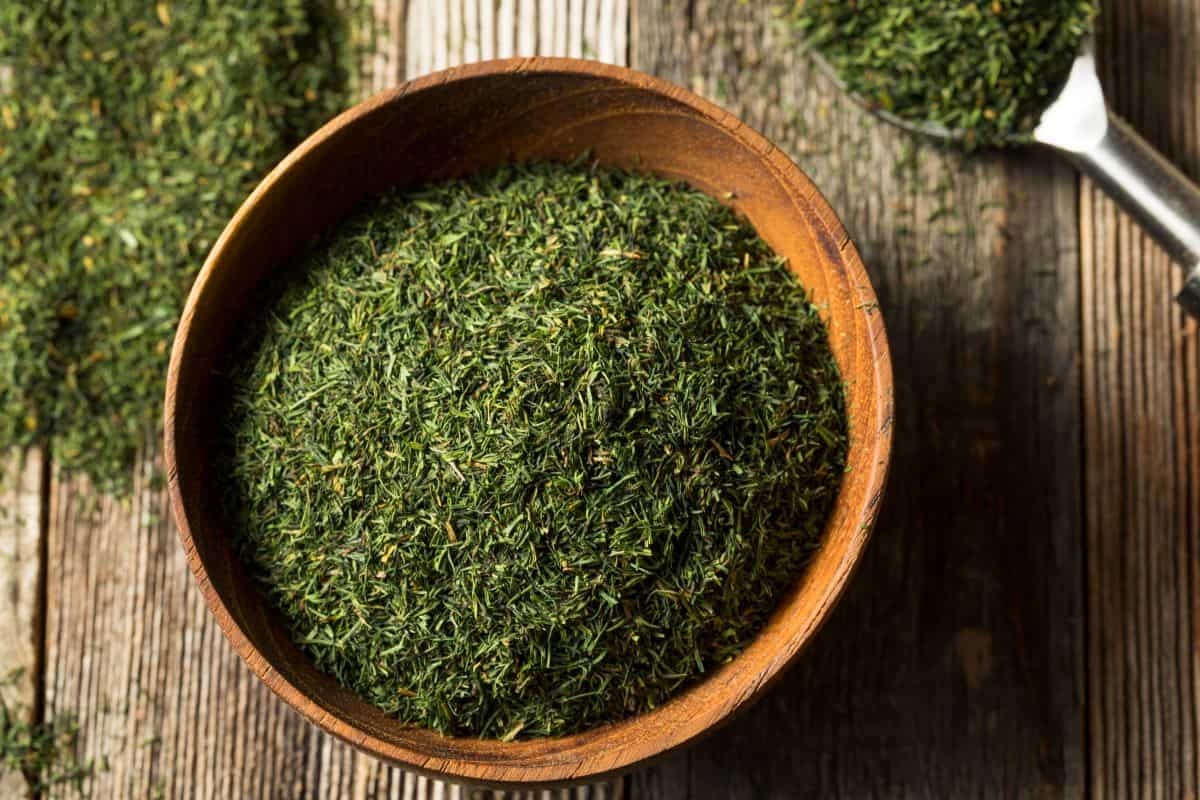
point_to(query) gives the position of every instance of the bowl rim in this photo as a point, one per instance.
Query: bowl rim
(607, 760)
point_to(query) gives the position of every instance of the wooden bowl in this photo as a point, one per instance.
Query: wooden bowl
(452, 123)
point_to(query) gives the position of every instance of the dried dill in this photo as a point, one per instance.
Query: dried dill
(129, 132)
(986, 69)
(44, 752)
(527, 452)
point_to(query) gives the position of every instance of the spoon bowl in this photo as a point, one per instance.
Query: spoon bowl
(928, 129)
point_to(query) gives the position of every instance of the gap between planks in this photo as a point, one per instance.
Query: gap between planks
(22, 521)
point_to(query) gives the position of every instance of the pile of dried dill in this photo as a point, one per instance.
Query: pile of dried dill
(985, 68)
(129, 132)
(524, 453)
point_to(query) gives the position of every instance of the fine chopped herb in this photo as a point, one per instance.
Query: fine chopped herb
(44, 752)
(129, 132)
(527, 452)
(985, 69)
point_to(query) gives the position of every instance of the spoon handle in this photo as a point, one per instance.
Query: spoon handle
(1164, 201)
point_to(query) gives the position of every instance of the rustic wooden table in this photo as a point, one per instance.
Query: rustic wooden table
(1026, 620)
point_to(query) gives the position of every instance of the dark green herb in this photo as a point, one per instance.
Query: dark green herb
(525, 453)
(43, 752)
(129, 131)
(986, 68)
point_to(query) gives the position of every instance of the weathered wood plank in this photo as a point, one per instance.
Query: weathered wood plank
(21, 483)
(1141, 373)
(164, 705)
(444, 33)
(384, 53)
(954, 665)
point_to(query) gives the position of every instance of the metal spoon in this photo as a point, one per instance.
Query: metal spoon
(1078, 124)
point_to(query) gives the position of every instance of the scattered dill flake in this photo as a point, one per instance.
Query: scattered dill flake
(43, 752)
(129, 133)
(985, 68)
(527, 452)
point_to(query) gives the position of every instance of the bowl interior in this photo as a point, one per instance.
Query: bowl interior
(451, 124)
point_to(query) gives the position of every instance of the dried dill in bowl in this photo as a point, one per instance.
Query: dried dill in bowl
(528, 452)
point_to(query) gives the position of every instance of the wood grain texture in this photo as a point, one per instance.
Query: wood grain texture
(163, 707)
(1141, 373)
(21, 523)
(446, 33)
(954, 666)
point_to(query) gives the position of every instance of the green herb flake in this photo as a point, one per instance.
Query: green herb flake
(43, 752)
(129, 132)
(527, 452)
